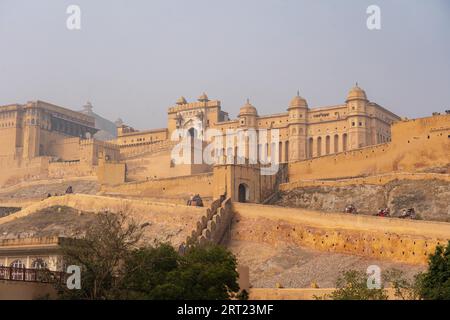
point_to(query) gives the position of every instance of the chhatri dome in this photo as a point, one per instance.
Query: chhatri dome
(356, 93)
(248, 109)
(297, 102)
(181, 100)
(203, 98)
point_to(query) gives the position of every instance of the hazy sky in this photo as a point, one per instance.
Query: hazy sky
(133, 59)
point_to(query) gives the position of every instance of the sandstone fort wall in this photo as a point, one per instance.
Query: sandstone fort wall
(200, 183)
(398, 240)
(416, 145)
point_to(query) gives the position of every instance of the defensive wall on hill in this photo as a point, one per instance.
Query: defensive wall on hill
(381, 180)
(167, 222)
(399, 240)
(417, 145)
(185, 185)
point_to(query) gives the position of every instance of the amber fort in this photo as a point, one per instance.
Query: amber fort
(355, 152)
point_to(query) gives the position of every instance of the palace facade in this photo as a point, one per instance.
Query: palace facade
(304, 132)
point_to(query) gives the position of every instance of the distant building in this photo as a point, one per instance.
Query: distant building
(106, 129)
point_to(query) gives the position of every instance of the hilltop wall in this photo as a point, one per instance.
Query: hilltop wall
(166, 222)
(427, 193)
(392, 239)
(417, 145)
(169, 187)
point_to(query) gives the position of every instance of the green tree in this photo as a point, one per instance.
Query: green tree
(435, 282)
(146, 270)
(404, 289)
(352, 285)
(114, 265)
(106, 244)
(207, 273)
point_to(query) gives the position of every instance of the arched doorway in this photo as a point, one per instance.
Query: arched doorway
(244, 193)
(193, 133)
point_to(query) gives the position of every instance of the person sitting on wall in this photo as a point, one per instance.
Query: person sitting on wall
(189, 202)
(383, 212)
(408, 213)
(69, 190)
(350, 209)
(197, 201)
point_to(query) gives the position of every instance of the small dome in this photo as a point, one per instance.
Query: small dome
(203, 98)
(181, 100)
(248, 109)
(356, 93)
(298, 101)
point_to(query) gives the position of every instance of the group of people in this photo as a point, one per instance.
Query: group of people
(195, 201)
(385, 212)
(408, 213)
(69, 190)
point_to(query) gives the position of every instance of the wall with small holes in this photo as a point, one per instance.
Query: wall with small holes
(393, 239)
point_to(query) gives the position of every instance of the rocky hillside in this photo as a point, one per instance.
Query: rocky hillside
(429, 198)
(39, 190)
(54, 221)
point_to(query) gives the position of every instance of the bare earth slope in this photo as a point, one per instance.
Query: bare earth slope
(298, 267)
(429, 198)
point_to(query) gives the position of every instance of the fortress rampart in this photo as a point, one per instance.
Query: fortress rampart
(417, 145)
(381, 180)
(176, 186)
(407, 241)
(167, 222)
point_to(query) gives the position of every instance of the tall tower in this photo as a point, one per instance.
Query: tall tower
(298, 123)
(248, 148)
(358, 121)
(31, 132)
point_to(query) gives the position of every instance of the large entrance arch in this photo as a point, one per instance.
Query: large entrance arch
(243, 193)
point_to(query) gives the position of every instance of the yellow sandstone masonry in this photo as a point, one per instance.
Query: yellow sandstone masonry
(400, 240)
(177, 220)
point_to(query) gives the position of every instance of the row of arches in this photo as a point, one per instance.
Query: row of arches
(315, 147)
(18, 266)
(327, 145)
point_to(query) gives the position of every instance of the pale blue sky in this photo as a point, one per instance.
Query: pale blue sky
(132, 59)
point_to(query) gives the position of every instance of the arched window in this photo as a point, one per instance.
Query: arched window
(336, 143)
(327, 145)
(17, 271)
(311, 148)
(39, 264)
(319, 146)
(286, 150)
(280, 152)
(344, 142)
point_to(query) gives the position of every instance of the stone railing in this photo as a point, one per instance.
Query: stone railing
(214, 227)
